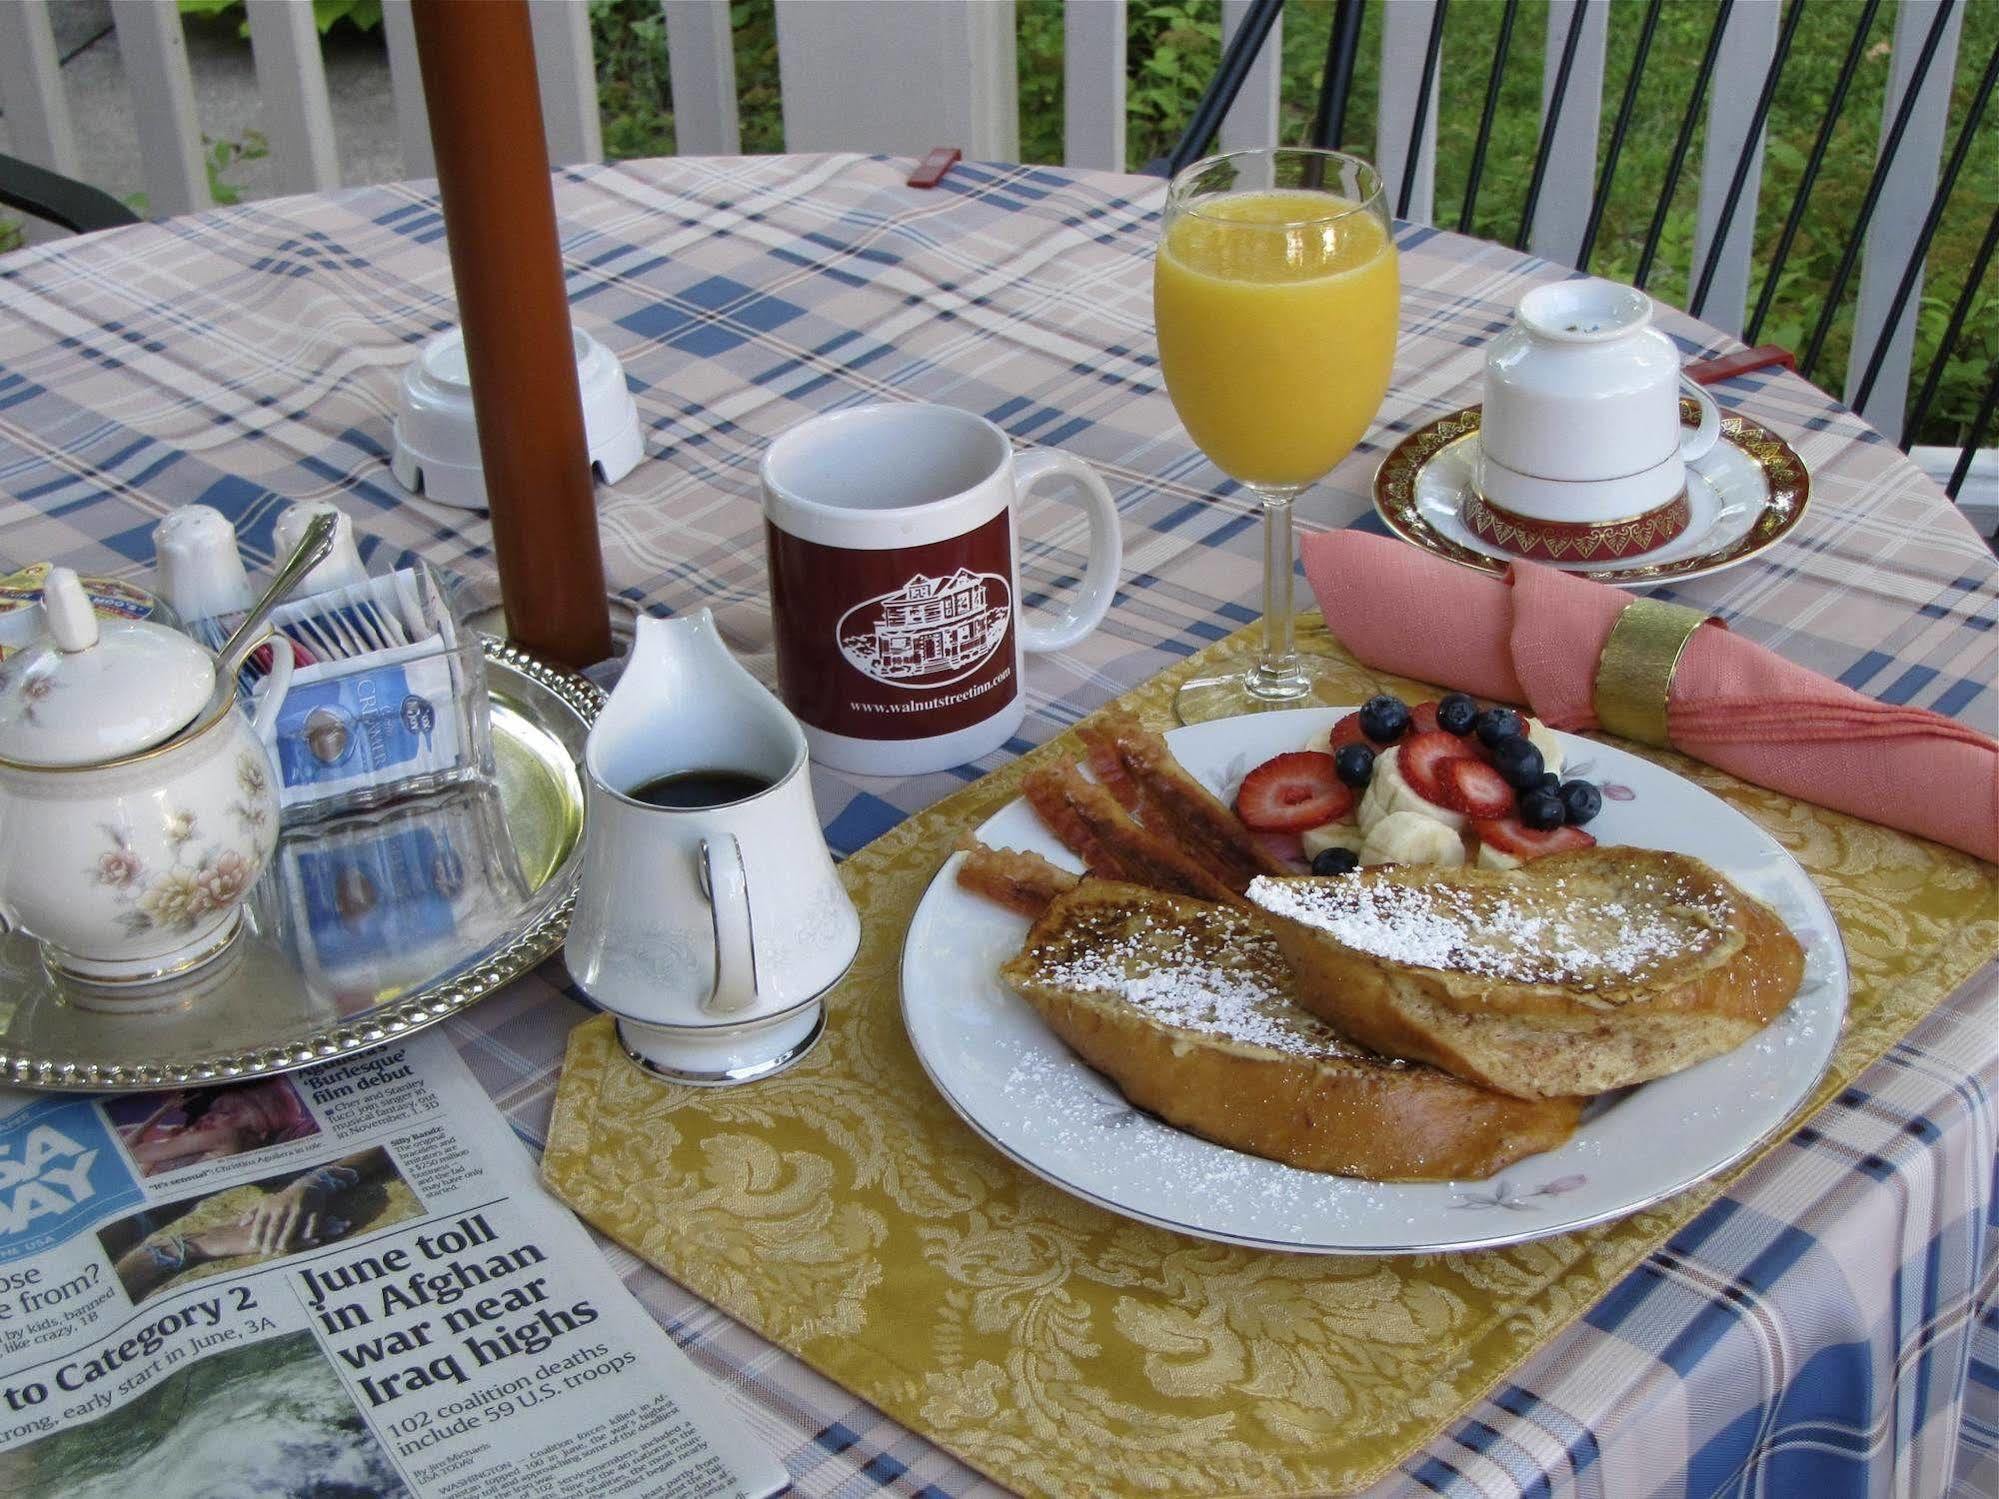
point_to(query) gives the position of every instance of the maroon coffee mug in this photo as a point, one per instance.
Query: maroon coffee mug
(895, 582)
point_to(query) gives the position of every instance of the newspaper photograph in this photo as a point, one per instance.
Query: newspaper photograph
(346, 1281)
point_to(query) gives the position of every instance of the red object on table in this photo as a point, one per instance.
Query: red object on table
(1534, 637)
(930, 171)
(1741, 362)
(499, 217)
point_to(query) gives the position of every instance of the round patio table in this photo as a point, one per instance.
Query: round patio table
(1811, 1331)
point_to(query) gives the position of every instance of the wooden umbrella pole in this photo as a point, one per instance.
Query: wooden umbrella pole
(499, 219)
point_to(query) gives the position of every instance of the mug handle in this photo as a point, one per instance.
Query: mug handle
(277, 682)
(1697, 442)
(1100, 578)
(727, 887)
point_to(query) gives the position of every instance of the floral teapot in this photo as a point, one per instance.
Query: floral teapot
(138, 805)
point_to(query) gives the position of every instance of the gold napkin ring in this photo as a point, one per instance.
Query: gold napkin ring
(1635, 672)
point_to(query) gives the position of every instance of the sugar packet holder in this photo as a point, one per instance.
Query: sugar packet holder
(388, 699)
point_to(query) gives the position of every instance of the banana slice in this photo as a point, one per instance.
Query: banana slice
(1543, 739)
(1411, 838)
(1495, 858)
(1321, 742)
(1345, 835)
(1389, 794)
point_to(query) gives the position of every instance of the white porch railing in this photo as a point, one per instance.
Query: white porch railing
(903, 75)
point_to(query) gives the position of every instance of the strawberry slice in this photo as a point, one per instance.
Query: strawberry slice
(1473, 788)
(1511, 836)
(1348, 731)
(1293, 792)
(1422, 758)
(1422, 720)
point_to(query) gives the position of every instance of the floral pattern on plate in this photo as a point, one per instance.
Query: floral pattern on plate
(1505, 1194)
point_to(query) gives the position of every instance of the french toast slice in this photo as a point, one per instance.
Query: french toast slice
(1187, 1006)
(1574, 974)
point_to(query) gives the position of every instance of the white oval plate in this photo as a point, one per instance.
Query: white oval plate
(1014, 1082)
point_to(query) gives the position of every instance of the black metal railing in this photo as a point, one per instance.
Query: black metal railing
(1328, 127)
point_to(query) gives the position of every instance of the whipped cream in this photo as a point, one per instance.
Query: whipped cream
(1395, 824)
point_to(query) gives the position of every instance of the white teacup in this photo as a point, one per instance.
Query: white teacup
(709, 918)
(1581, 448)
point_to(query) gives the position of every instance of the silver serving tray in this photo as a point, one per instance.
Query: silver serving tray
(365, 927)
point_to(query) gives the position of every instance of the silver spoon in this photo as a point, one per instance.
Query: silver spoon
(310, 552)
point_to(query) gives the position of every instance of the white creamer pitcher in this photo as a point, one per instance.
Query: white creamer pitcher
(710, 931)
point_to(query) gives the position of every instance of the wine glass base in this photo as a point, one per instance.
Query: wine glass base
(1309, 684)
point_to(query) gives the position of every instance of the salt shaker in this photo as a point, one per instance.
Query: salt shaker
(343, 567)
(198, 570)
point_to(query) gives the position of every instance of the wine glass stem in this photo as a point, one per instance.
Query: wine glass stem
(1276, 676)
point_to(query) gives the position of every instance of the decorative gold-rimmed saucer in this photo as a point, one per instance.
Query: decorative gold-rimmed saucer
(1748, 494)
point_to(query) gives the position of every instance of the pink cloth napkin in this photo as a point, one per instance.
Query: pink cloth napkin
(1534, 636)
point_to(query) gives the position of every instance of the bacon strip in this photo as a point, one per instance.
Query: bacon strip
(1143, 856)
(1143, 820)
(1101, 755)
(1047, 792)
(1180, 808)
(1020, 881)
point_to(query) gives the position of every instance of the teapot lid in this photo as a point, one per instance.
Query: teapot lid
(93, 689)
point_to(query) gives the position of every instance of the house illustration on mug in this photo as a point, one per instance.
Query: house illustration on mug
(930, 632)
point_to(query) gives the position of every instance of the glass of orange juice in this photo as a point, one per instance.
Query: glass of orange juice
(1276, 296)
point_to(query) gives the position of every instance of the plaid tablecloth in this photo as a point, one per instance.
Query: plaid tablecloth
(1811, 1333)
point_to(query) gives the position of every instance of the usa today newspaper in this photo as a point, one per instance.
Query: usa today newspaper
(344, 1281)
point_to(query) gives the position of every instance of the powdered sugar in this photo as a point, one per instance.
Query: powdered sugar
(1238, 998)
(1240, 992)
(1484, 930)
(1080, 1115)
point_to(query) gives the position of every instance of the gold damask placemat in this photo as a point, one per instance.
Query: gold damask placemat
(847, 1214)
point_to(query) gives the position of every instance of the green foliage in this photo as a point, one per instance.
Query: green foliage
(633, 97)
(1170, 53)
(217, 158)
(365, 15)
(634, 87)
(221, 155)
(755, 25)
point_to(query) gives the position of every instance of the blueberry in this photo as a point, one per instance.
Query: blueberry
(1383, 718)
(1549, 782)
(1457, 713)
(1581, 801)
(1518, 762)
(1496, 724)
(1354, 764)
(1541, 810)
(1339, 860)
